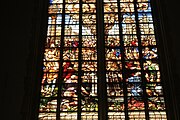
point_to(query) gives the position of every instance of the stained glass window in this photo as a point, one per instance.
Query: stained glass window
(71, 72)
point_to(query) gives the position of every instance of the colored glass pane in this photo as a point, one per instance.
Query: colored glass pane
(71, 71)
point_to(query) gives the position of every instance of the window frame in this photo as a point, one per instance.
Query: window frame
(34, 75)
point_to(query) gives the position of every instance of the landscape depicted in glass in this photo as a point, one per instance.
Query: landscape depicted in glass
(69, 87)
